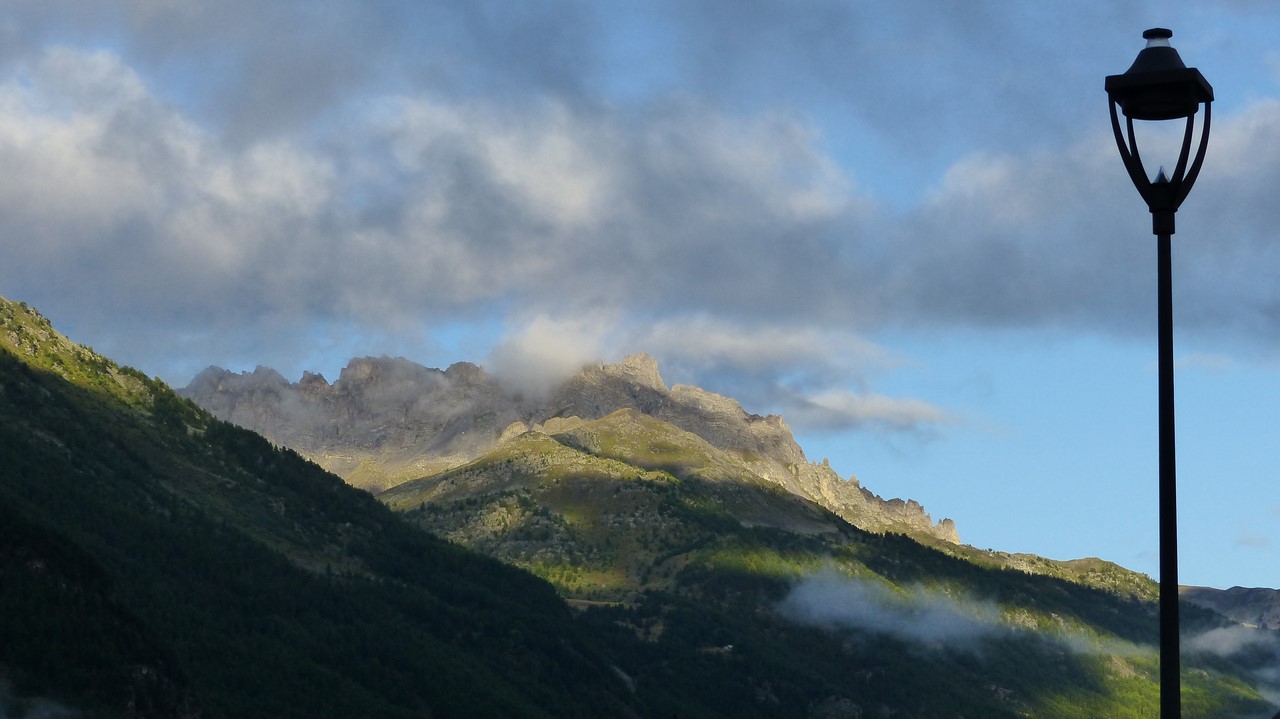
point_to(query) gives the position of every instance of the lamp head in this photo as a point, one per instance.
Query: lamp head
(1158, 86)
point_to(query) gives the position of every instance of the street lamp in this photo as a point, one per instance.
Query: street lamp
(1160, 87)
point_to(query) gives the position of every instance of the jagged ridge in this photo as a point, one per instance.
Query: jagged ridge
(386, 421)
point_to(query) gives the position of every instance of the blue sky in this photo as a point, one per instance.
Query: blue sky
(903, 226)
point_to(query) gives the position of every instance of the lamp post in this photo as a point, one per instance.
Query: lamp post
(1160, 87)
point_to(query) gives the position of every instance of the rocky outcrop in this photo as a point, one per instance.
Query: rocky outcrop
(388, 420)
(861, 507)
(724, 423)
(764, 443)
(383, 420)
(599, 389)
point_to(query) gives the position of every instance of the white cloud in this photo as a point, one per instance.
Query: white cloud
(109, 183)
(837, 409)
(476, 178)
(674, 206)
(1258, 649)
(702, 342)
(1253, 540)
(798, 370)
(66, 174)
(545, 352)
(1208, 362)
(556, 165)
(930, 617)
(423, 206)
(1061, 238)
(1229, 640)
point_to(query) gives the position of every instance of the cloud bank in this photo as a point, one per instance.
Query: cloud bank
(721, 191)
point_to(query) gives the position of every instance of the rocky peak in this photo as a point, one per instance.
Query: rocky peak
(209, 381)
(599, 389)
(368, 370)
(313, 383)
(266, 377)
(722, 421)
(466, 373)
(397, 420)
(640, 369)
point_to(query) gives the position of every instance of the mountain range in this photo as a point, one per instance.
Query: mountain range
(388, 420)
(158, 561)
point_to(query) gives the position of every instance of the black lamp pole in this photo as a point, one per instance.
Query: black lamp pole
(1160, 87)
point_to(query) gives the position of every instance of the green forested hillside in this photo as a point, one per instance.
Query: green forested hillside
(157, 562)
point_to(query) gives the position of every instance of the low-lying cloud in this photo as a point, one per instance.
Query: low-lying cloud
(936, 619)
(838, 409)
(795, 370)
(927, 616)
(1234, 639)
(1255, 648)
(536, 359)
(831, 599)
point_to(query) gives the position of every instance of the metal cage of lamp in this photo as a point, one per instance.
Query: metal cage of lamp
(1158, 86)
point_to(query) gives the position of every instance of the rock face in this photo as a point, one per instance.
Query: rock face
(385, 421)
(382, 421)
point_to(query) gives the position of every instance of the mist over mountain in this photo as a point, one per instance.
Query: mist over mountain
(624, 492)
(388, 420)
(156, 561)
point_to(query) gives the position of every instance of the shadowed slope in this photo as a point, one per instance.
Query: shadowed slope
(182, 566)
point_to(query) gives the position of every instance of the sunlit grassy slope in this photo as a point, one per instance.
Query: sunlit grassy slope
(678, 542)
